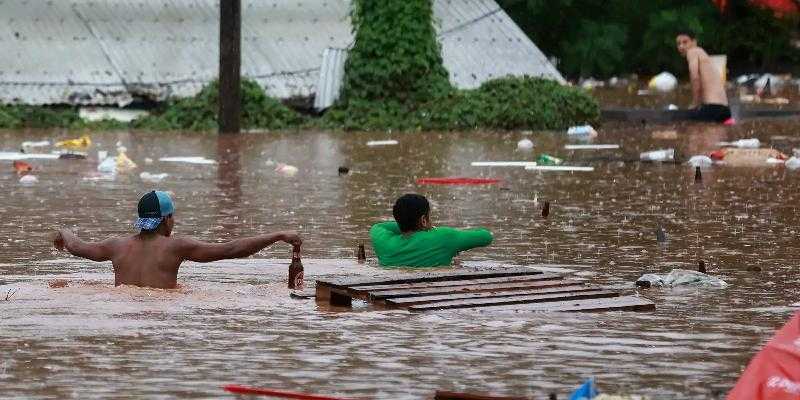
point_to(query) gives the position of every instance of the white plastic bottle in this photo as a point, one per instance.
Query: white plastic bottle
(658, 155)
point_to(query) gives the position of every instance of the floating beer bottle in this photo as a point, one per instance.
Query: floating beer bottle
(296, 270)
(362, 254)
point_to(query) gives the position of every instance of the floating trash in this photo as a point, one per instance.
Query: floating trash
(29, 145)
(188, 160)
(582, 130)
(680, 277)
(286, 170)
(124, 164)
(22, 166)
(566, 168)
(28, 179)
(700, 161)
(591, 146)
(525, 145)
(94, 114)
(664, 82)
(792, 163)
(81, 143)
(152, 178)
(12, 155)
(742, 143)
(457, 181)
(108, 165)
(503, 163)
(658, 155)
(373, 143)
(547, 159)
(344, 170)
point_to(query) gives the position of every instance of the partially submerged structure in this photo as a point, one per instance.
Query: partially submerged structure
(111, 52)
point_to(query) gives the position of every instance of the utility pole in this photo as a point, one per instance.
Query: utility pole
(230, 65)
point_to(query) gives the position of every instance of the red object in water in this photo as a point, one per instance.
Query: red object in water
(456, 181)
(774, 373)
(729, 122)
(22, 166)
(717, 155)
(276, 393)
(779, 7)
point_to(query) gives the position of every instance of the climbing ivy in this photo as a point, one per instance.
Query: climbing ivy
(396, 57)
(395, 79)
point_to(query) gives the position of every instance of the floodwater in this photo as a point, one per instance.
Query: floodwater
(233, 322)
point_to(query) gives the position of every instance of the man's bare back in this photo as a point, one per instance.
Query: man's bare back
(707, 84)
(152, 257)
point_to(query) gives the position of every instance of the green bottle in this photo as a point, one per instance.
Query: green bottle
(546, 159)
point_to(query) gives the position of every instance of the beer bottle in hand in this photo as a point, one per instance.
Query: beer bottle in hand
(296, 270)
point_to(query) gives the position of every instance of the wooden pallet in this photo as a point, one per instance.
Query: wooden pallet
(504, 289)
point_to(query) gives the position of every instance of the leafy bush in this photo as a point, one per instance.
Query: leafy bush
(199, 113)
(24, 116)
(506, 103)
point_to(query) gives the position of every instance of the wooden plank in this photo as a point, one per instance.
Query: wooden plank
(623, 303)
(431, 277)
(479, 281)
(550, 280)
(568, 286)
(494, 301)
(444, 395)
(303, 294)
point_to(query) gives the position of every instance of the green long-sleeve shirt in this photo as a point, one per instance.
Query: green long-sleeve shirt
(431, 248)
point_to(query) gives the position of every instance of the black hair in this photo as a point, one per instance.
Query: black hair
(688, 32)
(408, 209)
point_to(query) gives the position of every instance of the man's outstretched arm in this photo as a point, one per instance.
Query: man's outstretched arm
(195, 250)
(95, 251)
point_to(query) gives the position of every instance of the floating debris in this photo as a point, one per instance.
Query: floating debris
(152, 178)
(503, 163)
(680, 277)
(525, 145)
(188, 160)
(373, 143)
(591, 146)
(565, 168)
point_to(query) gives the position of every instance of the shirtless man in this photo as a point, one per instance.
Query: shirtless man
(152, 257)
(709, 101)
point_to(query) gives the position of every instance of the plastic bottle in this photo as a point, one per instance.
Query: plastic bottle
(582, 130)
(658, 155)
(746, 143)
(525, 145)
(296, 270)
(792, 163)
(546, 159)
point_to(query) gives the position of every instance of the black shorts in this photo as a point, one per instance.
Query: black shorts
(711, 112)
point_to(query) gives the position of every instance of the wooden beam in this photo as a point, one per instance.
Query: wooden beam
(230, 61)
(623, 303)
(568, 286)
(431, 277)
(544, 281)
(469, 282)
(495, 301)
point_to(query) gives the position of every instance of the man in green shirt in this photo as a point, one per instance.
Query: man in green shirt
(412, 241)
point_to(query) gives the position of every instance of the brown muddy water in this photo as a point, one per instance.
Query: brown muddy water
(233, 322)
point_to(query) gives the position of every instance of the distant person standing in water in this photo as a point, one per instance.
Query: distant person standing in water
(709, 101)
(411, 240)
(152, 257)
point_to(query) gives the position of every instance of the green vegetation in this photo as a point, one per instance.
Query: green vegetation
(601, 39)
(199, 113)
(23, 116)
(395, 79)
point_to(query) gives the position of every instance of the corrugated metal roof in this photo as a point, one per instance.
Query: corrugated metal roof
(331, 76)
(107, 51)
